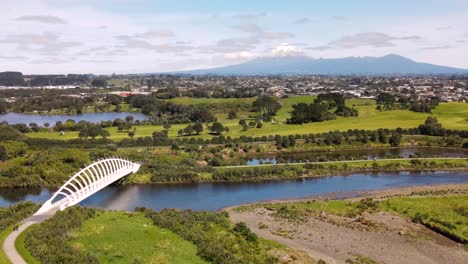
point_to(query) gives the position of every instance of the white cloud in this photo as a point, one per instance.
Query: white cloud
(243, 55)
(248, 27)
(277, 35)
(287, 49)
(303, 20)
(165, 33)
(42, 19)
(366, 39)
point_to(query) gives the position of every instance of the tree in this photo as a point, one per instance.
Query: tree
(131, 134)
(3, 107)
(217, 128)
(259, 125)
(98, 83)
(432, 127)
(105, 133)
(188, 130)
(167, 126)
(242, 122)
(232, 114)
(94, 131)
(266, 106)
(129, 119)
(198, 127)
(3, 153)
(395, 139)
(315, 112)
(113, 99)
(34, 127)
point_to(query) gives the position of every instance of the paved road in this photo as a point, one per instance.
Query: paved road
(9, 243)
(325, 162)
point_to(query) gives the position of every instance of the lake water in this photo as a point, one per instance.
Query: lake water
(15, 118)
(214, 196)
(361, 154)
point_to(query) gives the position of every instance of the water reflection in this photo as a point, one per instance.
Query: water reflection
(212, 196)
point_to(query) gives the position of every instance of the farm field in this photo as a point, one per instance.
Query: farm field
(451, 115)
(119, 237)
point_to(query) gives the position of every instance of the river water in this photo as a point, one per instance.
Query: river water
(214, 196)
(15, 118)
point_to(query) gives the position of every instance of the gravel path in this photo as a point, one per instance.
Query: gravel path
(9, 243)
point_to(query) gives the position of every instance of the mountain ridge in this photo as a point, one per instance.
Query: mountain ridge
(290, 65)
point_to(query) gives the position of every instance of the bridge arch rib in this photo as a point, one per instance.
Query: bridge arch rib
(88, 181)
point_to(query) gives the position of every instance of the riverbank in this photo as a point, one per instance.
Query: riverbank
(321, 169)
(370, 227)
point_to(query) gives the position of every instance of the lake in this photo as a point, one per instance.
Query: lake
(214, 196)
(15, 118)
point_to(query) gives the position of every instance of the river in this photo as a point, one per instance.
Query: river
(214, 196)
(15, 118)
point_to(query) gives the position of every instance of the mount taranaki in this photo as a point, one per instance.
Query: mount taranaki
(390, 64)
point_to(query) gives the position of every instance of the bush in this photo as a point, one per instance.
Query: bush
(216, 240)
(48, 243)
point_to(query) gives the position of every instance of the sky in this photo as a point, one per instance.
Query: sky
(145, 36)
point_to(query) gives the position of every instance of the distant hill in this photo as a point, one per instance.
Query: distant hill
(387, 65)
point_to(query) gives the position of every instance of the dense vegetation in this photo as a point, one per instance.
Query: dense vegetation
(387, 102)
(29, 162)
(15, 213)
(217, 240)
(168, 112)
(49, 242)
(294, 171)
(319, 110)
(37, 168)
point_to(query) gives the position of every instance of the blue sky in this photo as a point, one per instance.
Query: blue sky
(125, 36)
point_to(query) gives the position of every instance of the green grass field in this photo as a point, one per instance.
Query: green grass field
(451, 115)
(448, 214)
(3, 236)
(119, 237)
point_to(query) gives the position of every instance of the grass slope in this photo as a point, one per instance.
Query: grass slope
(451, 115)
(448, 215)
(118, 237)
(3, 235)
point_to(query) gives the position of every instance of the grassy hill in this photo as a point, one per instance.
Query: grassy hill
(118, 237)
(451, 115)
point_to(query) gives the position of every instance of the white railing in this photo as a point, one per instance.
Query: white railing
(88, 181)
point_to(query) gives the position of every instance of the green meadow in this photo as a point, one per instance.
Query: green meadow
(448, 214)
(451, 115)
(119, 237)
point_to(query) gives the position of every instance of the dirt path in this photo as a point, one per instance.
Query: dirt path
(391, 238)
(9, 243)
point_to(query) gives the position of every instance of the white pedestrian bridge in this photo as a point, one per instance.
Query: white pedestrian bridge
(89, 181)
